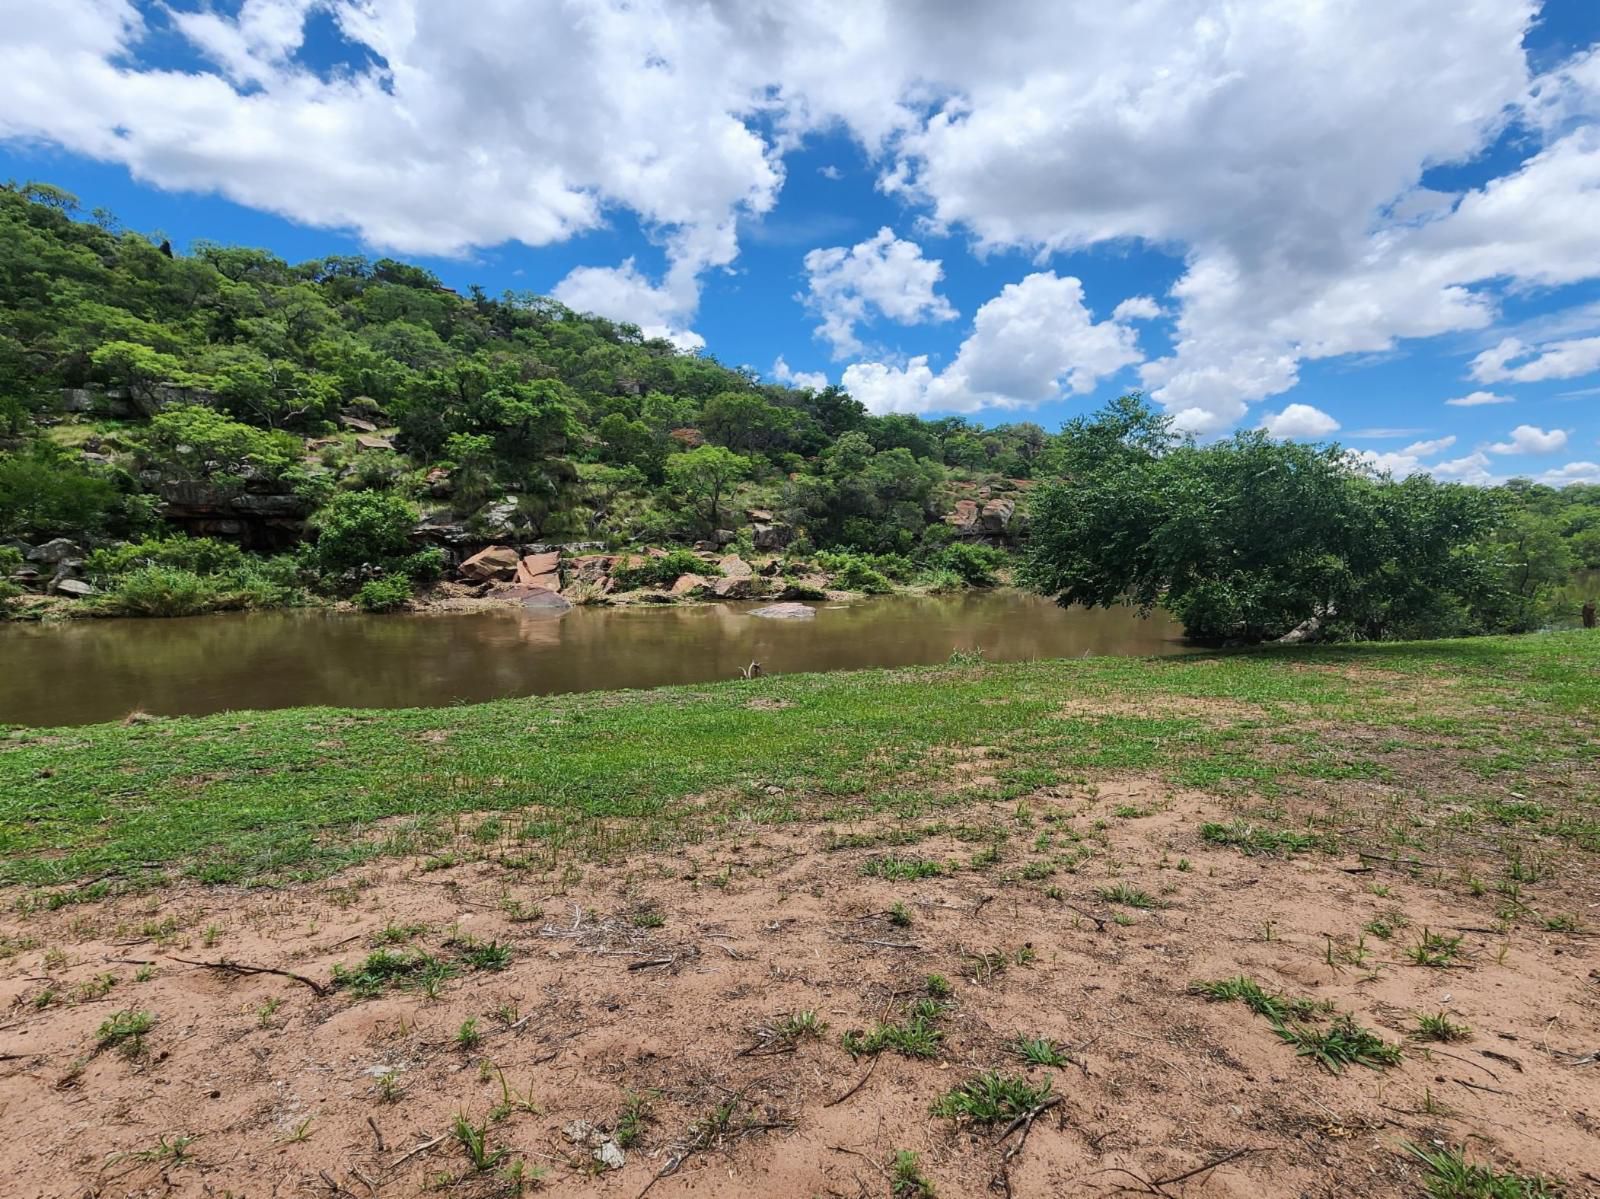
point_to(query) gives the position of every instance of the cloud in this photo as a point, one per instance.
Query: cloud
(1427, 449)
(1227, 133)
(1572, 472)
(1029, 345)
(1529, 439)
(1553, 360)
(783, 373)
(883, 276)
(1136, 308)
(624, 294)
(1474, 468)
(830, 172)
(1478, 398)
(1299, 421)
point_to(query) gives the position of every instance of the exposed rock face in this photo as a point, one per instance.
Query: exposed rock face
(725, 536)
(758, 516)
(689, 584)
(496, 562)
(996, 517)
(359, 425)
(500, 520)
(538, 599)
(735, 567)
(785, 612)
(371, 442)
(75, 588)
(262, 516)
(734, 587)
(53, 552)
(541, 570)
(439, 484)
(964, 520)
(772, 537)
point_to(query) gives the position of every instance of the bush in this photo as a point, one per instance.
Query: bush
(388, 594)
(201, 555)
(167, 591)
(854, 572)
(663, 571)
(202, 443)
(975, 564)
(44, 494)
(363, 531)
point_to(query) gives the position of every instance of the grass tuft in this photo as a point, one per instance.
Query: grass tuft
(991, 1097)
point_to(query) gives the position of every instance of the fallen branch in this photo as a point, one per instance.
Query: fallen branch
(422, 1148)
(1478, 1087)
(884, 944)
(861, 1082)
(376, 1132)
(1025, 1123)
(241, 968)
(645, 965)
(1099, 924)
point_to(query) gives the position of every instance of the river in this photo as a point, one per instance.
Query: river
(85, 671)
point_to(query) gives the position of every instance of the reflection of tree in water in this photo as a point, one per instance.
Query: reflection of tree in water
(100, 670)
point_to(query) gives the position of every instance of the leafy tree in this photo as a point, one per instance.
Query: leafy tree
(703, 476)
(362, 532)
(197, 442)
(137, 368)
(1248, 538)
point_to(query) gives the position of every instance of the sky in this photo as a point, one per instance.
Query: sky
(1377, 223)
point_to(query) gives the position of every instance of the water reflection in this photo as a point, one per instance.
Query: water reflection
(89, 671)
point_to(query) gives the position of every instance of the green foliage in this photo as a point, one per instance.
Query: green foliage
(384, 969)
(388, 594)
(1253, 839)
(44, 494)
(125, 1031)
(990, 1098)
(974, 564)
(906, 1180)
(1247, 538)
(704, 476)
(361, 531)
(652, 571)
(200, 443)
(1340, 1043)
(1449, 1175)
(854, 572)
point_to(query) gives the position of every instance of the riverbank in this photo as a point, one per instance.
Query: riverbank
(558, 887)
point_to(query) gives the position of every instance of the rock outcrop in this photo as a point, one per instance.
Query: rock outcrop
(785, 612)
(496, 562)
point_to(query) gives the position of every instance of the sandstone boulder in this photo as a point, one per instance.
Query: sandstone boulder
(996, 516)
(496, 562)
(735, 567)
(690, 584)
(541, 570)
(73, 588)
(369, 441)
(359, 425)
(965, 518)
(785, 612)
(537, 599)
(734, 587)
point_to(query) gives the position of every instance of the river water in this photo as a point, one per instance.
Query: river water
(82, 672)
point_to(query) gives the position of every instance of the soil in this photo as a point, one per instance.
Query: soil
(667, 978)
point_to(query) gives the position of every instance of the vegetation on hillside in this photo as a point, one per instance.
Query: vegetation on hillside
(223, 429)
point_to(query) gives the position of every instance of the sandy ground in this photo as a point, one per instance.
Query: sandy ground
(667, 978)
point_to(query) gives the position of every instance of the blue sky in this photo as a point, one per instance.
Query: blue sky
(1328, 220)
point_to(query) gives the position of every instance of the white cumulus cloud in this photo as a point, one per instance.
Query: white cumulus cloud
(1477, 399)
(882, 276)
(623, 293)
(1530, 439)
(1552, 360)
(1033, 343)
(1299, 421)
(1572, 472)
(784, 373)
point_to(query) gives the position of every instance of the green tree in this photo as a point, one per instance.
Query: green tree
(704, 475)
(1248, 538)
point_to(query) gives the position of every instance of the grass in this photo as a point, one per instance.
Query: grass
(1297, 1022)
(1449, 1175)
(1040, 1051)
(915, 1035)
(1437, 950)
(1253, 839)
(125, 1032)
(901, 869)
(1129, 897)
(283, 795)
(990, 1098)
(1441, 1028)
(906, 1179)
(384, 969)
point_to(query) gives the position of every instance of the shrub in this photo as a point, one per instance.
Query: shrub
(166, 591)
(201, 555)
(388, 594)
(855, 572)
(362, 531)
(45, 494)
(975, 564)
(201, 443)
(663, 571)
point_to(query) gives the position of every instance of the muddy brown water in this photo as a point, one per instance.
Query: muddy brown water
(82, 672)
